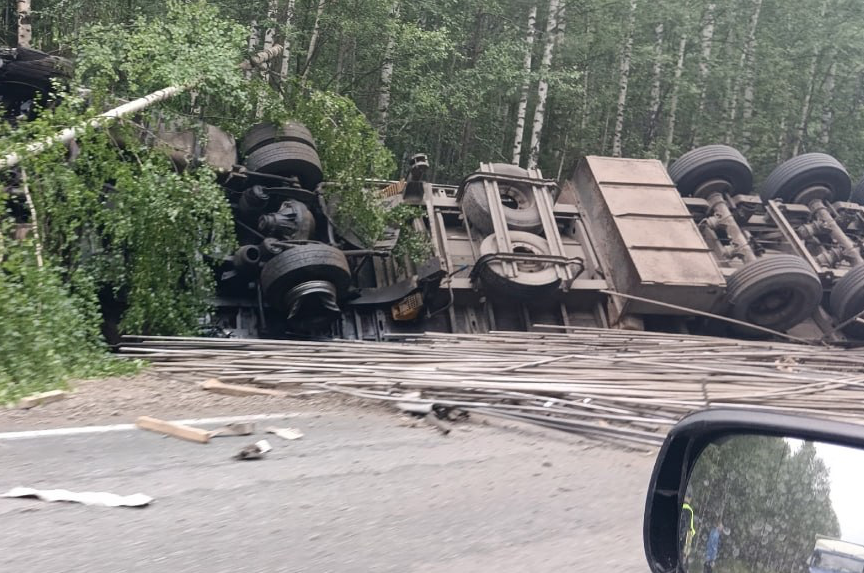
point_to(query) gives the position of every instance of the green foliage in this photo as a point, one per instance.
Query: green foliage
(774, 499)
(189, 45)
(48, 334)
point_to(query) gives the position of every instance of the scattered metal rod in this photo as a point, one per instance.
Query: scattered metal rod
(610, 386)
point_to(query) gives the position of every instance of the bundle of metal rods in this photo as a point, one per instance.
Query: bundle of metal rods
(609, 384)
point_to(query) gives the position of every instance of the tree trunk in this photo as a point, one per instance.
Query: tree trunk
(526, 83)
(704, 68)
(828, 109)
(805, 107)
(811, 86)
(269, 35)
(286, 42)
(387, 76)
(656, 76)
(252, 42)
(25, 30)
(313, 40)
(543, 84)
(341, 54)
(747, 76)
(624, 81)
(673, 103)
(781, 142)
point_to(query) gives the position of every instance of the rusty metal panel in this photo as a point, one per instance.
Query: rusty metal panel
(646, 239)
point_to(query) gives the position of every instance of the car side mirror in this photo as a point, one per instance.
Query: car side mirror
(744, 490)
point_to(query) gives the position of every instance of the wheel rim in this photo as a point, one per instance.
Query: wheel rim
(770, 306)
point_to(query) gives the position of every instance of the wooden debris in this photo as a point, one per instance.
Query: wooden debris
(214, 385)
(173, 429)
(41, 398)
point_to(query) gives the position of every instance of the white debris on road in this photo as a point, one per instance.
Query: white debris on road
(103, 499)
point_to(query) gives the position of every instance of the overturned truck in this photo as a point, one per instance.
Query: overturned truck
(623, 243)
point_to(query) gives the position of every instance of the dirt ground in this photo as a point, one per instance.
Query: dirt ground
(122, 399)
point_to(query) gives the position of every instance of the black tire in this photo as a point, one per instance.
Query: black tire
(709, 163)
(313, 261)
(264, 133)
(857, 195)
(533, 280)
(287, 159)
(847, 300)
(776, 292)
(789, 179)
(521, 215)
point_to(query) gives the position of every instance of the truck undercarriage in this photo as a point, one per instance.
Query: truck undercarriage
(622, 244)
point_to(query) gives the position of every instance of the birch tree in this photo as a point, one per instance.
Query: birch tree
(526, 84)
(707, 40)
(313, 40)
(828, 107)
(624, 80)
(749, 77)
(25, 29)
(811, 86)
(286, 41)
(673, 103)
(543, 83)
(745, 75)
(387, 74)
(656, 77)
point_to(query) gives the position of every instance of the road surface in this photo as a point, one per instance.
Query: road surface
(362, 491)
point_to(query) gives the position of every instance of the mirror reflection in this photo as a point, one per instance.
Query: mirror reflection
(769, 504)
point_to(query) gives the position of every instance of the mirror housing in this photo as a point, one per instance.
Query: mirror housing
(686, 441)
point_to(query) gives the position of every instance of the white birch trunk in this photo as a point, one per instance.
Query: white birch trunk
(526, 84)
(25, 29)
(656, 76)
(808, 96)
(387, 76)
(805, 106)
(251, 43)
(704, 67)
(624, 81)
(747, 74)
(828, 109)
(543, 84)
(673, 103)
(781, 142)
(286, 42)
(313, 39)
(67, 135)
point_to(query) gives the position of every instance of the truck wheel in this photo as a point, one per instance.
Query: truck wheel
(847, 300)
(303, 263)
(520, 210)
(264, 133)
(807, 177)
(287, 159)
(712, 163)
(776, 292)
(533, 278)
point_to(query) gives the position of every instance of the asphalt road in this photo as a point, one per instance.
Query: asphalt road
(362, 491)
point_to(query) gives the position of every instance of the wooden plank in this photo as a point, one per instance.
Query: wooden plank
(172, 429)
(214, 385)
(41, 398)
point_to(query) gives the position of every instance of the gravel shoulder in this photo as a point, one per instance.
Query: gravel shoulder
(122, 399)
